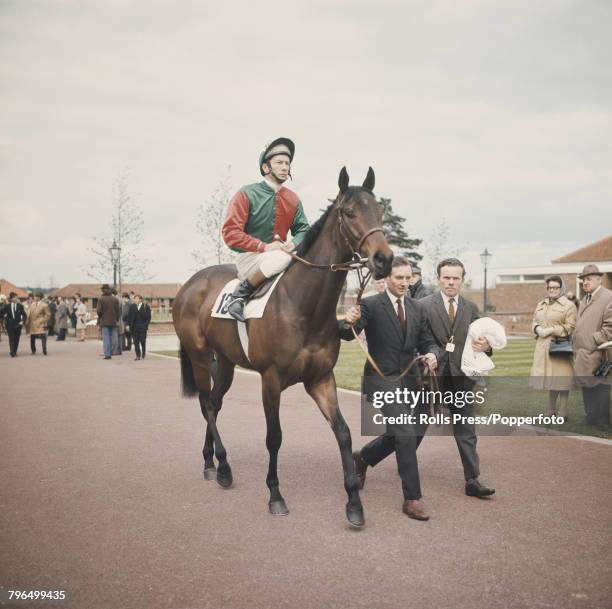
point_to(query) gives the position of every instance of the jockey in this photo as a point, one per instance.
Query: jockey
(258, 219)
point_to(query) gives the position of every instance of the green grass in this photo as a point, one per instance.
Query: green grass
(509, 392)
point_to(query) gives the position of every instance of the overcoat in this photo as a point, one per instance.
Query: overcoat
(38, 316)
(553, 373)
(62, 316)
(593, 327)
(108, 310)
(81, 315)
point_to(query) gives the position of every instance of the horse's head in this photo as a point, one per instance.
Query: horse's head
(360, 223)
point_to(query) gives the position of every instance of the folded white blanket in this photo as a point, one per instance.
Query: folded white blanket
(479, 364)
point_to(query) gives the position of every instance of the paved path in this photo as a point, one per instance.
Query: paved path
(103, 496)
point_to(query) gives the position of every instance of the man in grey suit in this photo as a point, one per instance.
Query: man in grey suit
(396, 329)
(449, 316)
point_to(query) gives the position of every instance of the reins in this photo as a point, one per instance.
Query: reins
(358, 263)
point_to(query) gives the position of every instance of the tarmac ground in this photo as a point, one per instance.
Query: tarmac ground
(103, 497)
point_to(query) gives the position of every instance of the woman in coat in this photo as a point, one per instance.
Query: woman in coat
(80, 309)
(554, 317)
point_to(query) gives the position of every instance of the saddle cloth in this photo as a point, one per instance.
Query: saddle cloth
(254, 308)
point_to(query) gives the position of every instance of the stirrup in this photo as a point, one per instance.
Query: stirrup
(238, 315)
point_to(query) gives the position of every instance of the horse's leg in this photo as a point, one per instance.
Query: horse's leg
(223, 372)
(201, 369)
(271, 400)
(210, 471)
(324, 393)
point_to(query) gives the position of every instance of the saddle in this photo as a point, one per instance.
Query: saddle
(263, 288)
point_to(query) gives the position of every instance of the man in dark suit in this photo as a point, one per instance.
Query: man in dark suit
(396, 329)
(139, 319)
(449, 316)
(14, 318)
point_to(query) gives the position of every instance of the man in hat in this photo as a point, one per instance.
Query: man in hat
(417, 289)
(593, 328)
(108, 316)
(258, 219)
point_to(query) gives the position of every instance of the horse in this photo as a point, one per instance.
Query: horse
(296, 340)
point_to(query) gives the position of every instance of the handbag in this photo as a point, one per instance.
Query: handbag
(561, 346)
(605, 367)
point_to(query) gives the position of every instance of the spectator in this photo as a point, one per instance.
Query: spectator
(417, 289)
(593, 328)
(380, 285)
(108, 315)
(138, 320)
(118, 330)
(37, 322)
(3, 308)
(80, 311)
(125, 312)
(572, 298)
(62, 318)
(72, 305)
(51, 324)
(554, 317)
(14, 316)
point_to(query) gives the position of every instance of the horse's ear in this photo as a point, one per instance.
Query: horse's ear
(343, 180)
(370, 179)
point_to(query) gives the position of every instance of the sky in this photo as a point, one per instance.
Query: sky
(494, 116)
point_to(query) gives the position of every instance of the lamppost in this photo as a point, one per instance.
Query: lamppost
(485, 258)
(115, 252)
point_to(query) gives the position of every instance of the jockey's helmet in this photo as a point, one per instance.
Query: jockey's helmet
(282, 145)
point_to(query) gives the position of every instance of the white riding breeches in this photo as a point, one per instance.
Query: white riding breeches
(269, 263)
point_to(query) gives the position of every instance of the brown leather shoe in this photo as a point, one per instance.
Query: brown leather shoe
(360, 469)
(414, 508)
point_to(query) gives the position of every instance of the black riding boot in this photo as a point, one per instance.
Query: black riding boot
(242, 293)
(238, 300)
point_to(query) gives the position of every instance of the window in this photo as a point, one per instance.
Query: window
(508, 278)
(533, 277)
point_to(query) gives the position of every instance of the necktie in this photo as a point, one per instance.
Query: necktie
(401, 316)
(451, 311)
(588, 300)
(13, 306)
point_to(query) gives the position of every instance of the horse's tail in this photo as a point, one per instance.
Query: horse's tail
(188, 383)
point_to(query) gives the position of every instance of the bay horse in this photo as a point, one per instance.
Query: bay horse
(296, 340)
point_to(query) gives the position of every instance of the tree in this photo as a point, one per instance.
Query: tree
(396, 234)
(126, 231)
(439, 246)
(210, 218)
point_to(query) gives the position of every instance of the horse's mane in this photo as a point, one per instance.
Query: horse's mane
(313, 232)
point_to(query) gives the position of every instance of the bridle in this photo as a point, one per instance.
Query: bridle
(356, 262)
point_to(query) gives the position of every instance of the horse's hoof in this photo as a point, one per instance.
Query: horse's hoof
(210, 473)
(355, 516)
(224, 477)
(278, 508)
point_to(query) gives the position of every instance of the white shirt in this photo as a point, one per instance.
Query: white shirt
(446, 300)
(590, 295)
(394, 298)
